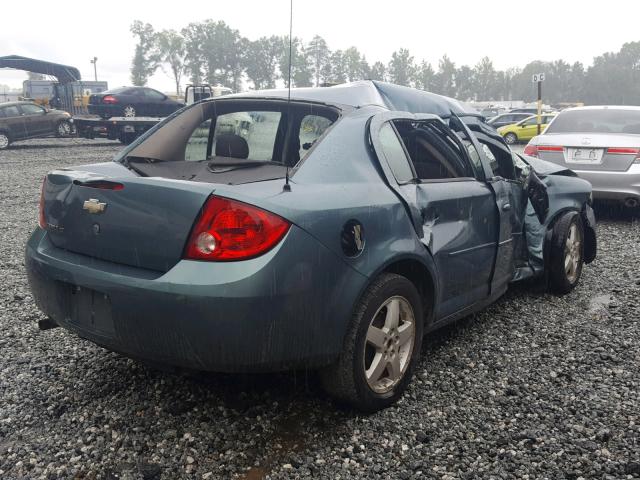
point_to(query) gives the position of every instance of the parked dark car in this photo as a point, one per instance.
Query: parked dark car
(507, 119)
(330, 233)
(132, 102)
(24, 120)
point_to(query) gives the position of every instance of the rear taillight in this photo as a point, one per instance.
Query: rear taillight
(231, 230)
(110, 99)
(41, 218)
(625, 151)
(531, 150)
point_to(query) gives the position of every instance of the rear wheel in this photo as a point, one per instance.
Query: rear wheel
(129, 111)
(381, 347)
(510, 138)
(566, 254)
(5, 141)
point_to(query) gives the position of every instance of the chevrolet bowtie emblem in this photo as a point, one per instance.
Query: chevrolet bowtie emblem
(93, 205)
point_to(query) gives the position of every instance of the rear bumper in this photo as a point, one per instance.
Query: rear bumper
(286, 309)
(614, 185)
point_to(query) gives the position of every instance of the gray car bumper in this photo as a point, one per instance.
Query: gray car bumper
(614, 185)
(286, 309)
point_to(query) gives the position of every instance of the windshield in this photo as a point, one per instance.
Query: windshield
(597, 121)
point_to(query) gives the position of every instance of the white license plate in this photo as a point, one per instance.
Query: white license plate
(584, 155)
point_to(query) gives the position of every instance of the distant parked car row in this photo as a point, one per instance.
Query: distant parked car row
(25, 120)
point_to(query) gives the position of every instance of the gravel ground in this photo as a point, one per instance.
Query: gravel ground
(536, 386)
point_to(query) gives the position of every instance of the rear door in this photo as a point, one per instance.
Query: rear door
(454, 213)
(12, 120)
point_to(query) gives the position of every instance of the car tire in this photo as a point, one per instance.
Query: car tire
(380, 348)
(129, 111)
(511, 138)
(566, 253)
(5, 140)
(63, 129)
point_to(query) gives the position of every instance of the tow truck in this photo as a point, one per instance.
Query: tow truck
(127, 129)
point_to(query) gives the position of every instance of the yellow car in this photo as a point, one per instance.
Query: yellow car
(526, 129)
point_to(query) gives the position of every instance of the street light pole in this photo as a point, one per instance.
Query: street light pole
(95, 68)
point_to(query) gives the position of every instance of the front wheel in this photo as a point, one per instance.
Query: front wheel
(566, 254)
(63, 129)
(381, 347)
(511, 138)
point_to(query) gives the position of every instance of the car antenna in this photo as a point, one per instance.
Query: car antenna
(287, 186)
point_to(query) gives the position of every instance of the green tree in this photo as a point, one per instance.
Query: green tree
(338, 67)
(402, 68)
(446, 77)
(355, 64)
(146, 58)
(172, 51)
(378, 72)
(194, 61)
(319, 54)
(484, 79)
(425, 76)
(301, 73)
(466, 85)
(261, 59)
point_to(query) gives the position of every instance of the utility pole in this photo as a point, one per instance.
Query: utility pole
(539, 78)
(95, 69)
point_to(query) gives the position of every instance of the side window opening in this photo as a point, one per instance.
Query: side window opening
(435, 155)
(501, 162)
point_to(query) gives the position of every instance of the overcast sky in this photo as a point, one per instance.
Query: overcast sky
(510, 33)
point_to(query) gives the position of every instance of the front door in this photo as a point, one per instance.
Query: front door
(453, 212)
(35, 118)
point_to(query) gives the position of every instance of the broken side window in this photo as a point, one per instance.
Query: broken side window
(434, 153)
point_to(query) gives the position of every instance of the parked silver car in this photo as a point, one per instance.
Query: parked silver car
(601, 144)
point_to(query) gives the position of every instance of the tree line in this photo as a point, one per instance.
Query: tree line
(213, 52)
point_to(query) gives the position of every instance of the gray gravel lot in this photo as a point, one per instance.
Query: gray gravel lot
(536, 386)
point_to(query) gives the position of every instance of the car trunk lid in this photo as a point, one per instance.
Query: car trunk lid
(137, 221)
(595, 152)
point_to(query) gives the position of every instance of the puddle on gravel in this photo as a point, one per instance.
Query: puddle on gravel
(290, 436)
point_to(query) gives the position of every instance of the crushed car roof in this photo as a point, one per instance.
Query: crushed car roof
(373, 92)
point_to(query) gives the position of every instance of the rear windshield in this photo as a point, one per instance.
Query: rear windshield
(597, 121)
(227, 135)
(117, 90)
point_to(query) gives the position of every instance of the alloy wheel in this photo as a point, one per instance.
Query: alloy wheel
(4, 141)
(572, 252)
(389, 344)
(129, 111)
(64, 129)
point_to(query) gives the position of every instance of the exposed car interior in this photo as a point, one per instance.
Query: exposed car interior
(433, 157)
(232, 141)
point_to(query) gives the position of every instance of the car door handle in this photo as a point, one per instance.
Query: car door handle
(506, 207)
